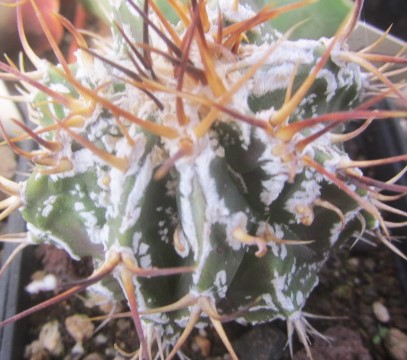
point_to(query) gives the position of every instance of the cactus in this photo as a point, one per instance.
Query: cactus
(200, 164)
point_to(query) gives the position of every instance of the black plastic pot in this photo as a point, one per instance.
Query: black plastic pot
(12, 295)
(13, 298)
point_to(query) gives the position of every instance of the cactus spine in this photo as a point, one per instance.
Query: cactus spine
(207, 180)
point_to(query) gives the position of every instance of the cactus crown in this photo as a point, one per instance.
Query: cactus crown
(200, 164)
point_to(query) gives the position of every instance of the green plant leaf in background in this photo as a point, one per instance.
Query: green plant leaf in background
(168, 11)
(323, 17)
(100, 8)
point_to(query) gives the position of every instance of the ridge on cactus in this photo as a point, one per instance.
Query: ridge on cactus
(200, 164)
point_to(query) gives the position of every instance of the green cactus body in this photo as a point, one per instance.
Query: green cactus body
(240, 204)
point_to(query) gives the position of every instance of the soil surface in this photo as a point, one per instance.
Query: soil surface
(359, 289)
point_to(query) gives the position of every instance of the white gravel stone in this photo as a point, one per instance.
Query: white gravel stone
(50, 338)
(80, 327)
(380, 312)
(396, 344)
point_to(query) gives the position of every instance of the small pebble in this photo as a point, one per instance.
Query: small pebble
(353, 264)
(343, 292)
(123, 324)
(118, 357)
(100, 339)
(50, 338)
(396, 344)
(112, 353)
(35, 351)
(78, 349)
(46, 282)
(370, 264)
(105, 304)
(80, 327)
(93, 356)
(203, 344)
(380, 312)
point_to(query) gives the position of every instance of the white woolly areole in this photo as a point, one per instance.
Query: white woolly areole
(116, 177)
(236, 220)
(188, 234)
(132, 211)
(220, 284)
(276, 170)
(280, 64)
(227, 7)
(90, 222)
(278, 250)
(280, 287)
(48, 205)
(309, 191)
(82, 160)
(331, 84)
(299, 299)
